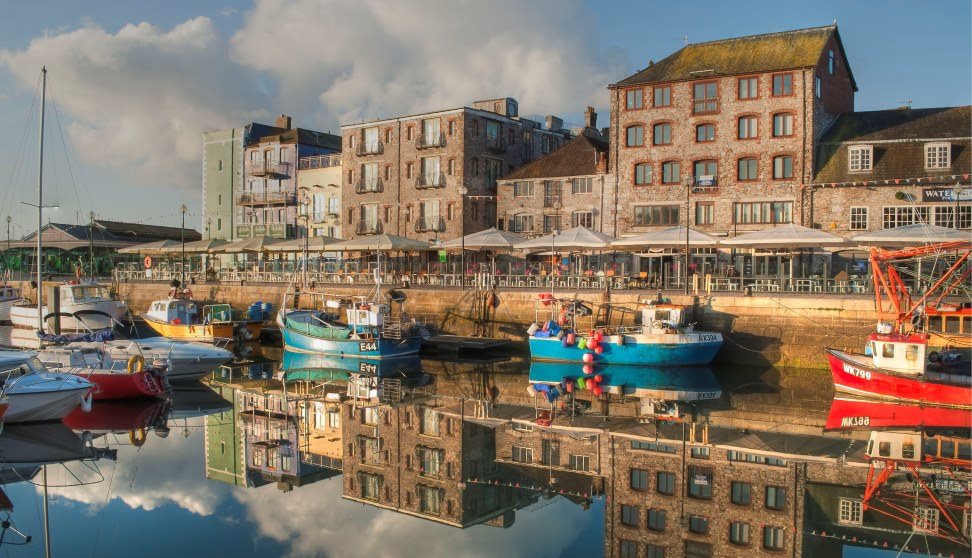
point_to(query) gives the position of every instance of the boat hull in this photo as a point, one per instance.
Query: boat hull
(5, 306)
(652, 382)
(118, 416)
(119, 385)
(43, 406)
(854, 376)
(689, 349)
(355, 348)
(26, 316)
(202, 333)
(856, 414)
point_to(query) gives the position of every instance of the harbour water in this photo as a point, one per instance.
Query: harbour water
(452, 458)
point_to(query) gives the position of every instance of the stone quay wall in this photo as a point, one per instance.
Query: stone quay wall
(760, 330)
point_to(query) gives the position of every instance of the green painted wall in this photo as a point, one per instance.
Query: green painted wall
(222, 177)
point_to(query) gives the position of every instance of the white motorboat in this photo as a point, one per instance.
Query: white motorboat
(36, 394)
(9, 296)
(84, 306)
(185, 360)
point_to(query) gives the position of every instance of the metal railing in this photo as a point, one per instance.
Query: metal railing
(705, 106)
(369, 148)
(369, 186)
(496, 145)
(430, 224)
(423, 181)
(266, 198)
(705, 184)
(267, 168)
(368, 227)
(319, 161)
(429, 141)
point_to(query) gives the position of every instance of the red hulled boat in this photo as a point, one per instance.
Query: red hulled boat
(855, 414)
(113, 384)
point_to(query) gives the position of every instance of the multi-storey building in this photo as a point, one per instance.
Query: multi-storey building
(570, 187)
(721, 135)
(223, 175)
(433, 176)
(889, 168)
(267, 203)
(319, 187)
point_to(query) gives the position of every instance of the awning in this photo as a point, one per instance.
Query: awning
(910, 235)
(784, 236)
(156, 247)
(256, 245)
(672, 237)
(314, 244)
(490, 239)
(577, 238)
(380, 243)
(196, 247)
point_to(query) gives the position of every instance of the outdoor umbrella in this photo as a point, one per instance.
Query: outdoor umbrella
(577, 238)
(314, 244)
(380, 243)
(156, 247)
(671, 237)
(254, 245)
(784, 236)
(490, 239)
(910, 235)
(196, 247)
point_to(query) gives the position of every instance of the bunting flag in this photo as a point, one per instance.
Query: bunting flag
(493, 482)
(913, 180)
(868, 542)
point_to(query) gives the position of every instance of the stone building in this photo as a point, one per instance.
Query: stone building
(883, 169)
(433, 176)
(267, 203)
(725, 131)
(569, 187)
(319, 186)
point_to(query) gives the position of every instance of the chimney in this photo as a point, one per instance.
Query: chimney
(282, 121)
(601, 167)
(590, 118)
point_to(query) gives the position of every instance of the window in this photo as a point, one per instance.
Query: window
(859, 158)
(746, 169)
(430, 461)
(663, 96)
(522, 455)
(579, 462)
(706, 169)
(695, 549)
(817, 87)
(634, 99)
(741, 493)
(429, 424)
(748, 88)
(772, 538)
(665, 483)
(782, 85)
(550, 452)
(850, 511)
(739, 533)
(705, 132)
(938, 155)
(522, 222)
(430, 499)
(370, 485)
(639, 479)
(653, 446)
(629, 515)
(747, 127)
(899, 216)
(629, 549)
(369, 141)
(582, 219)
(522, 427)
(370, 416)
(550, 223)
(705, 97)
(388, 135)
(662, 134)
(219, 165)
(671, 173)
(635, 136)
(219, 224)
(698, 525)
(522, 188)
(704, 215)
(493, 170)
(700, 483)
(783, 167)
(582, 185)
(655, 551)
(700, 452)
(653, 215)
(775, 497)
(858, 218)
(782, 124)
(831, 62)
(756, 458)
(642, 173)
(656, 520)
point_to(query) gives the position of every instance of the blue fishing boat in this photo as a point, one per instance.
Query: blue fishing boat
(317, 367)
(694, 383)
(663, 338)
(368, 328)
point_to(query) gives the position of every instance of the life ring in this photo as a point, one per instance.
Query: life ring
(137, 437)
(135, 364)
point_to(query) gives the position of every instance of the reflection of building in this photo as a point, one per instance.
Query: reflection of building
(224, 444)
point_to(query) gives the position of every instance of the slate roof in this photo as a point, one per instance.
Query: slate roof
(578, 157)
(304, 136)
(801, 48)
(117, 231)
(897, 124)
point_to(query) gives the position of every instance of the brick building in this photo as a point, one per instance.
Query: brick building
(267, 203)
(406, 175)
(889, 168)
(570, 187)
(728, 128)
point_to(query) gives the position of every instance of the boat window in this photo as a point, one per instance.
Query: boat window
(908, 450)
(662, 315)
(888, 350)
(884, 449)
(947, 449)
(77, 292)
(911, 352)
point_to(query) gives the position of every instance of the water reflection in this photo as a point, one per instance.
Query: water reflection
(312, 455)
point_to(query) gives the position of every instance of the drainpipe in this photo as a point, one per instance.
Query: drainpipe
(398, 210)
(803, 151)
(617, 168)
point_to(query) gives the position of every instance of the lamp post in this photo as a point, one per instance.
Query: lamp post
(462, 235)
(305, 214)
(182, 234)
(9, 219)
(688, 190)
(553, 261)
(91, 216)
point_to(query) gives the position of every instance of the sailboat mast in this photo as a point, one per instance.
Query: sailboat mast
(47, 527)
(40, 200)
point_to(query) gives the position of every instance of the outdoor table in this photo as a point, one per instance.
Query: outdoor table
(809, 285)
(725, 283)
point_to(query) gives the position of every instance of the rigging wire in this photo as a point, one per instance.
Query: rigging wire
(17, 168)
(64, 145)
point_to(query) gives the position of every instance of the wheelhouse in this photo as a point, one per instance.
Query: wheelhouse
(901, 353)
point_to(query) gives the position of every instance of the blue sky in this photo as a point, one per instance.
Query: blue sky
(134, 100)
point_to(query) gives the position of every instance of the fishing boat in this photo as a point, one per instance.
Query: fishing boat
(663, 338)
(35, 394)
(182, 317)
(318, 367)
(124, 378)
(899, 367)
(80, 305)
(854, 414)
(696, 383)
(9, 296)
(358, 327)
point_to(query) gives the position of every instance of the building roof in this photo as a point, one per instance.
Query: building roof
(142, 231)
(800, 48)
(578, 157)
(104, 234)
(901, 124)
(303, 136)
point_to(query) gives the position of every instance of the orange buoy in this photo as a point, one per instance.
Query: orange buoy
(588, 369)
(599, 349)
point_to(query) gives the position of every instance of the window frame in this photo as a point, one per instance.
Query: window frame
(782, 76)
(846, 514)
(708, 125)
(629, 512)
(737, 207)
(739, 96)
(933, 145)
(784, 114)
(658, 483)
(831, 62)
(850, 221)
(793, 169)
(627, 138)
(746, 495)
(646, 209)
(651, 173)
(678, 167)
(705, 163)
(755, 172)
(706, 100)
(671, 133)
(860, 148)
(641, 104)
(755, 119)
(748, 533)
(631, 478)
(651, 520)
(654, 96)
(710, 212)
(776, 490)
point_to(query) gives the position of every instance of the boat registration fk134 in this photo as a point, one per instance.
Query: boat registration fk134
(855, 371)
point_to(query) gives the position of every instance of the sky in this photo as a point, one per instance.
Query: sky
(136, 84)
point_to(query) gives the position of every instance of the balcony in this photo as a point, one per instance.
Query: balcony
(705, 106)
(496, 145)
(368, 227)
(267, 168)
(325, 216)
(430, 224)
(266, 198)
(369, 148)
(430, 141)
(369, 186)
(426, 181)
(275, 230)
(319, 161)
(705, 184)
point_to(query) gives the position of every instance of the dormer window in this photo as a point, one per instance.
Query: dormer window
(938, 155)
(860, 158)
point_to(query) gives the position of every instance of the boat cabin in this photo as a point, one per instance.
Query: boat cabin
(895, 446)
(662, 317)
(362, 315)
(176, 311)
(898, 352)
(15, 363)
(8, 293)
(79, 293)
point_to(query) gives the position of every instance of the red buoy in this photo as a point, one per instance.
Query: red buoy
(590, 383)
(599, 349)
(588, 369)
(598, 390)
(599, 378)
(588, 357)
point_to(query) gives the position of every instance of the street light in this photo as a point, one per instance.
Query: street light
(91, 216)
(183, 209)
(688, 191)
(462, 235)
(553, 260)
(6, 255)
(305, 214)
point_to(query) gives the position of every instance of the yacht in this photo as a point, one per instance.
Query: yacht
(36, 394)
(114, 378)
(9, 296)
(83, 306)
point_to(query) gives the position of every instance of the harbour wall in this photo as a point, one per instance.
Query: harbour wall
(763, 330)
